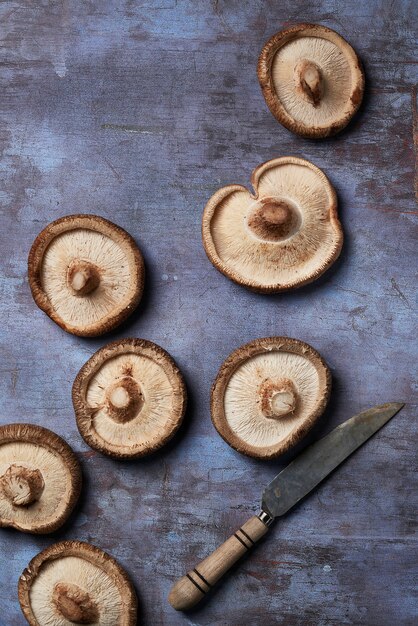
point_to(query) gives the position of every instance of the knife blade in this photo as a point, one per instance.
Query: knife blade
(322, 457)
(292, 484)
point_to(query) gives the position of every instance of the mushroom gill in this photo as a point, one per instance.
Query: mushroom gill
(267, 394)
(75, 582)
(129, 398)
(312, 79)
(284, 236)
(53, 595)
(40, 478)
(294, 63)
(98, 294)
(147, 418)
(244, 400)
(86, 273)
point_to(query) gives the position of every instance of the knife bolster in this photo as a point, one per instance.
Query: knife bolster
(265, 518)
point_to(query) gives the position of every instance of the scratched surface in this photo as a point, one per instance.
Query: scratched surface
(139, 111)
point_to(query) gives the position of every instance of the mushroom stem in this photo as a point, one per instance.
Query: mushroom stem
(125, 400)
(277, 399)
(272, 220)
(119, 397)
(282, 403)
(75, 604)
(21, 485)
(309, 81)
(82, 277)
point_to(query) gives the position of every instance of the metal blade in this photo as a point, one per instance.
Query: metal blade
(322, 457)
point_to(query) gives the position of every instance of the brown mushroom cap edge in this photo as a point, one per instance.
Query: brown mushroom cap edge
(259, 347)
(43, 438)
(85, 413)
(264, 71)
(91, 277)
(93, 555)
(225, 192)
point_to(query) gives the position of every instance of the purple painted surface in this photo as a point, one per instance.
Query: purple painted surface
(139, 111)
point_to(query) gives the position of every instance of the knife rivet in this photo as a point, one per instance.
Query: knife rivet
(277, 492)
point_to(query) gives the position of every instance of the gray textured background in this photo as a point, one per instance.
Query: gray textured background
(139, 111)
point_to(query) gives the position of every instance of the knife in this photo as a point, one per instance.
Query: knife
(285, 490)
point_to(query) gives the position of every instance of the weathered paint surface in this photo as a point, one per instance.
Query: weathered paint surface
(139, 111)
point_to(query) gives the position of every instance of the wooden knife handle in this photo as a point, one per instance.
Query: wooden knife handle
(190, 589)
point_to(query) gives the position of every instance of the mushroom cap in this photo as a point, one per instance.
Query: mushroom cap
(86, 273)
(312, 80)
(72, 582)
(284, 236)
(37, 463)
(268, 394)
(129, 398)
